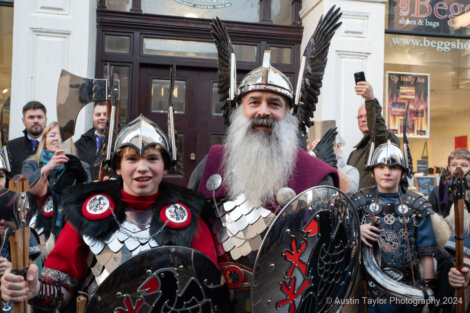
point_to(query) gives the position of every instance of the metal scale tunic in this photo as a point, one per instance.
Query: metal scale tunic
(244, 226)
(126, 242)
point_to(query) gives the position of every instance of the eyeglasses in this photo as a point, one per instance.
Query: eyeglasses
(362, 116)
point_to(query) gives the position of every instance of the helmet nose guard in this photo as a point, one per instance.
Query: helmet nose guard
(388, 154)
(141, 134)
(266, 78)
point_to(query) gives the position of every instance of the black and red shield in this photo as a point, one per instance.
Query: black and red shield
(310, 255)
(164, 279)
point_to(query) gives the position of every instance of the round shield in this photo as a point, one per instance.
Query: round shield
(310, 255)
(164, 279)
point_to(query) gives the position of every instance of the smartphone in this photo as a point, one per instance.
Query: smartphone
(359, 77)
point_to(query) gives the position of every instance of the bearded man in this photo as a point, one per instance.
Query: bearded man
(260, 167)
(261, 154)
(260, 157)
(34, 120)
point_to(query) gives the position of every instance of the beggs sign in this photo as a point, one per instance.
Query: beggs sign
(426, 16)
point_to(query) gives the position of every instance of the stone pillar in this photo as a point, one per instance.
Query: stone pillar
(48, 36)
(358, 45)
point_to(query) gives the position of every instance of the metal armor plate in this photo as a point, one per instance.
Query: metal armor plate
(309, 256)
(164, 279)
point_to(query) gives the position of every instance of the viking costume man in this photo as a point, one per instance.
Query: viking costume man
(261, 166)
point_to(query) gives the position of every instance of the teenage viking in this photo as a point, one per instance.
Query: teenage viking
(116, 220)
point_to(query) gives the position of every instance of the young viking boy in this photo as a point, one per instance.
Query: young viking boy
(400, 224)
(137, 207)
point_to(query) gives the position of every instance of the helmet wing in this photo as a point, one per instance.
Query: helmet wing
(227, 73)
(315, 58)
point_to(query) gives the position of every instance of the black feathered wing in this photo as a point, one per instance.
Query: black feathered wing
(316, 54)
(324, 150)
(224, 51)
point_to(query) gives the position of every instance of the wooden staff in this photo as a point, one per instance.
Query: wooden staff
(459, 201)
(19, 240)
(81, 303)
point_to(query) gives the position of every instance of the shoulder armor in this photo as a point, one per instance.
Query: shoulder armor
(86, 209)
(420, 205)
(98, 206)
(363, 197)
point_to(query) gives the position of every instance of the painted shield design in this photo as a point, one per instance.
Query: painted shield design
(310, 255)
(164, 279)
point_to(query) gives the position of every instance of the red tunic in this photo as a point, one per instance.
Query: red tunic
(70, 252)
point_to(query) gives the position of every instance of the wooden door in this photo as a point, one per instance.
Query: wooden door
(198, 119)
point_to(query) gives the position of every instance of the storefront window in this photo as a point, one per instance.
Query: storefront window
(6, 39)
(117, 44)
(281, 12)
(224, 9)
(119, 5)
(281, 55)
(160, 96)
(431, 75)
(194, 49)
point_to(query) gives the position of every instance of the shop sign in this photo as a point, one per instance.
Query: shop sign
(206, 4)
(426, 16)
(408, 90)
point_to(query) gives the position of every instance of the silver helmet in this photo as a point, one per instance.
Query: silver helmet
(266, 78)
(4, 160)
(142, 133)
(388, 154)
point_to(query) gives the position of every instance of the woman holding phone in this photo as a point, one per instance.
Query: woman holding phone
(49, 171)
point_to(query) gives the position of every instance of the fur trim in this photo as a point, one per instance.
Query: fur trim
(36, 211)
(74, 198)
(100, 229)
(441, 229)
(170, 194)
(46, 248)
(7, 205)
(450, 219)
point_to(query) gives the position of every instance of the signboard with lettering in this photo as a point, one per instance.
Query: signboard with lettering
(422, 167)
(428, 16)
(206, 4)
(403, 90)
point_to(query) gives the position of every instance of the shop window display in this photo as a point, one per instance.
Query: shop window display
(445, 62)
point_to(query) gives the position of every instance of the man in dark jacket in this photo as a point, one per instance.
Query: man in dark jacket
(365, 121)
(90, 142)
(34, 119)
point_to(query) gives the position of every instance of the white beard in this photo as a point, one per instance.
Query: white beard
(258, 163)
